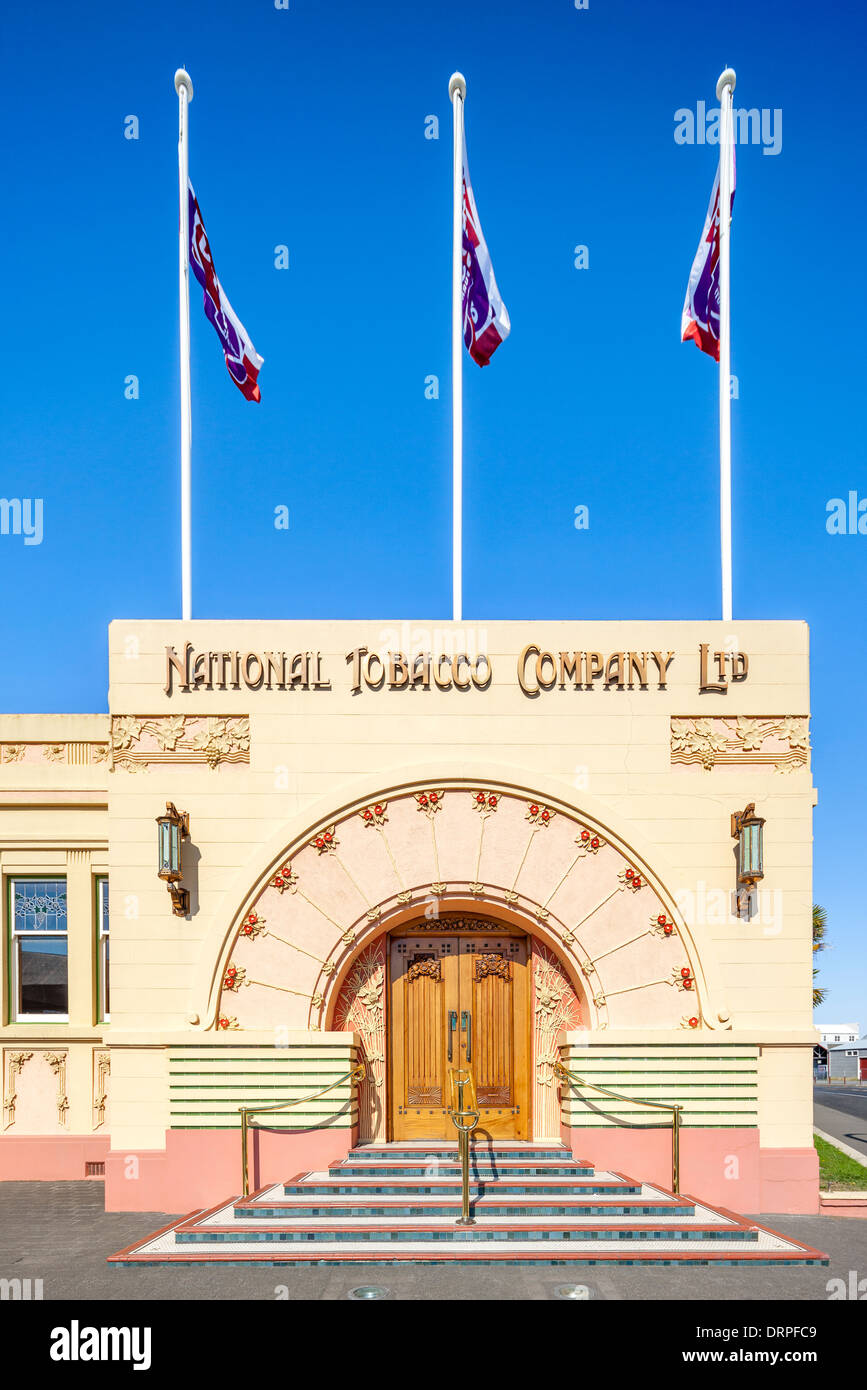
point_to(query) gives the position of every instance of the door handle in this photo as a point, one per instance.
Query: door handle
(467, 1027)
(453, 1023)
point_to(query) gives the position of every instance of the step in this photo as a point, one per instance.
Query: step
(449, 1151)
(163, 1247)
(386, 1207)
(323, 1184)
(388, 1169)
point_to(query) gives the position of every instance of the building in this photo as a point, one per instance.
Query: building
(509, 845)
(847, 1061)
(831, 1034)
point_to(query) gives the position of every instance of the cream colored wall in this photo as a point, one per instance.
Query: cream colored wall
(607, 753)
(54, 822)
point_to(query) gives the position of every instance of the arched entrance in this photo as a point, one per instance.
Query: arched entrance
(599, 944)
(436, 981)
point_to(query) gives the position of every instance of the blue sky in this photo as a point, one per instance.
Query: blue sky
(307, 129)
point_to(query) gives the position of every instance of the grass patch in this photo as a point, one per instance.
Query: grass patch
(837, 1171)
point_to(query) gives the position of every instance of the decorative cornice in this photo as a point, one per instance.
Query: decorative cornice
(782, 742)
(141, 741)
(72, 753)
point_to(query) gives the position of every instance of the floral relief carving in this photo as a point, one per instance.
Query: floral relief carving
(428, 968)
(782, 742)
(360, 1009)
(555, 1009)
(14, 1064)
(138, 742)
(57, 1062)
(489, 963)
(101, 1071)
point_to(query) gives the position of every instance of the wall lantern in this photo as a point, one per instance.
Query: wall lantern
(748, 830)
(172, 828)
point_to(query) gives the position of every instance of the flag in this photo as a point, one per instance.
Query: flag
(700, 317)
(242, 359)
(486, 318)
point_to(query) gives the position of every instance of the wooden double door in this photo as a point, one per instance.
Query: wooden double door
(459, 1000)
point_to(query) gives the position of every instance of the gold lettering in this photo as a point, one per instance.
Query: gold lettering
(706, 685)
(397, 667)
(180, 665)
(637, 664)
(522, 670)
(457, 662)
(253, 682)
(541, 681)
(570, 668)
(437, 672)
(617, 660)
(374, 682)
(477, 680)
(422, 677)
(662, 665)
(595, 667)
(742, 669)
(275, 669)
(355, 659)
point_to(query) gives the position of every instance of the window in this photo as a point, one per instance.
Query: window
(102, 948)
(39, 949)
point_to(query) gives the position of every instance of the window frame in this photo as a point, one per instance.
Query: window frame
(103, 955)
(13, 936)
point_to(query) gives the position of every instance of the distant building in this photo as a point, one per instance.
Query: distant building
(833, 1033)
(848, 1062)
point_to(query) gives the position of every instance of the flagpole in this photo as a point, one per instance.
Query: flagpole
(184, 89)
(724, 89)
(457, 93)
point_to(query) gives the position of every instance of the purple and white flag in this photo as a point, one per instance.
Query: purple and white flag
(486, 318)
(242, 359)
(700, 317)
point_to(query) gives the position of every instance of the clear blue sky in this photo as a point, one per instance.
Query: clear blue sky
(308, 130)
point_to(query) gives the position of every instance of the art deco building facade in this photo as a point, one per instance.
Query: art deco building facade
(507, 847)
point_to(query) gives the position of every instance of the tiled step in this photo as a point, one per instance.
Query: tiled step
(322, 1184)
(478, 1169)
(767, 1248)
(266, 1207)
(415, 1153)
(531, 1205)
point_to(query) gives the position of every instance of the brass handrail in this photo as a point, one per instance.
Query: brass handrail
(675, 1111)
(357, 1073)
(463, 1107)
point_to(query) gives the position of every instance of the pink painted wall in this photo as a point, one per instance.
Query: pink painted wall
(200, 1167)
(725, 1167)
(50, 1158)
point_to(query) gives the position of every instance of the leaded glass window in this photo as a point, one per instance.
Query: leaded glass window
(102, 945)
(39, 948)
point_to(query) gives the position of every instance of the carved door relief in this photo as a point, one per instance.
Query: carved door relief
(361, 1008)
(459, 1001)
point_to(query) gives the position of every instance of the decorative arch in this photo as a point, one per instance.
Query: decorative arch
(301, 952)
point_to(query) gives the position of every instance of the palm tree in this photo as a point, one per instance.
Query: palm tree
(820, 921)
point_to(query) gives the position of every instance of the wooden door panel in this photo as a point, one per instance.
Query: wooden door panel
(424, 974)
(484, 982)
(494, 989)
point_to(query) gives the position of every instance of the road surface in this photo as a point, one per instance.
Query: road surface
(841, 1111)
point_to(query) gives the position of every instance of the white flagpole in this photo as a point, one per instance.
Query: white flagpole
(457, 93)
(184, 89)
(724, 89)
